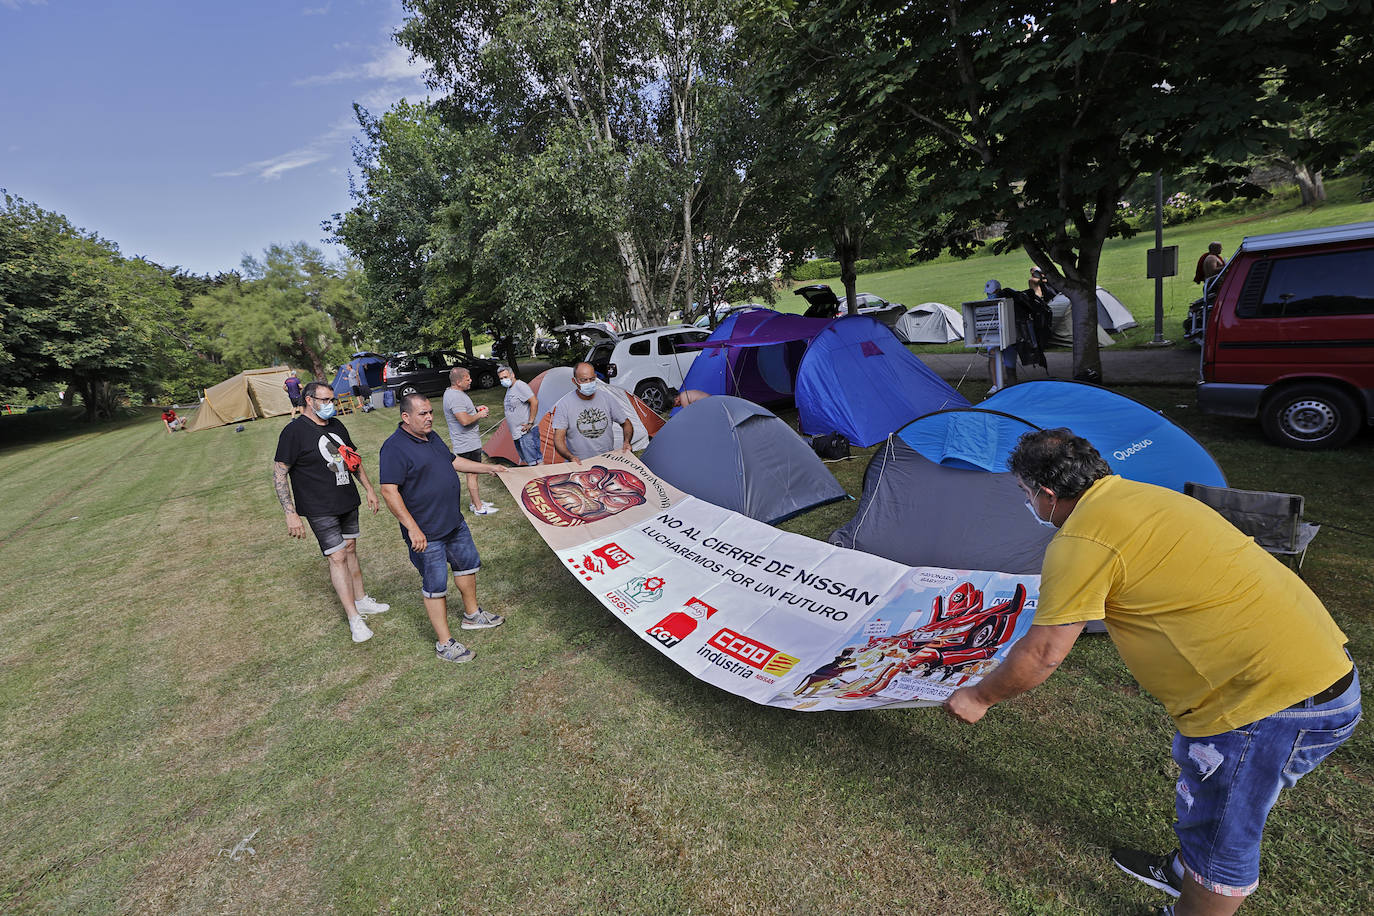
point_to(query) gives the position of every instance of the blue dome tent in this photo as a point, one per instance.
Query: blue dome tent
(849, 375)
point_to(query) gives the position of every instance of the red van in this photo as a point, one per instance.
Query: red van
(1290, 335)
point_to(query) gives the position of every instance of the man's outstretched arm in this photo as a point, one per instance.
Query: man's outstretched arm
(1028, 665)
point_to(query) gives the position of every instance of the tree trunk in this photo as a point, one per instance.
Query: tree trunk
(641, 300)
(1310, 184)
(467, 341)
(848, 243)
(99, 398)
(1087, 357)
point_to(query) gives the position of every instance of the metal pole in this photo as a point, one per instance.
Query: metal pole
(1159, 246)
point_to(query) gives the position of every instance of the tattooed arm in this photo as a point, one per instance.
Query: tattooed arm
(294, 526)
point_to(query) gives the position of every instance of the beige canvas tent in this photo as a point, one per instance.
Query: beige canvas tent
(249, 395)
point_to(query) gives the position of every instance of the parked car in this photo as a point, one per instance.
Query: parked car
(427, 373)
(648, 361)
(520, 348)
(1289, 326)
(725, 311)
(824, 303)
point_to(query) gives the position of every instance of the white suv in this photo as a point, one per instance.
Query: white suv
(648, 361)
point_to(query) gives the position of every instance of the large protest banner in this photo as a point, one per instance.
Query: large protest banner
(777, 618)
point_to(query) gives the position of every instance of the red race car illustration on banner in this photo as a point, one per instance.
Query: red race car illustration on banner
(961, 634)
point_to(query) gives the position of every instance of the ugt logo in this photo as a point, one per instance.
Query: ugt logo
(601, 560)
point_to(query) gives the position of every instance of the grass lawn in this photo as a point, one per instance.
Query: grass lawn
(176, 676)
(953, 281)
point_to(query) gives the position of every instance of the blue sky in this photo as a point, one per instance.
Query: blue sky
(192, 133)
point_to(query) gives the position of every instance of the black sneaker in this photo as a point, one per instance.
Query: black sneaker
(1156, 871)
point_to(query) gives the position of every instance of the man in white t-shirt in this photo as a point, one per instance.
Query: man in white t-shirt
(582, 419)
(462, 417)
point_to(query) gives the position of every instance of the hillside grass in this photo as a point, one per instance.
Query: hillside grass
(953, 281)
(176, 676)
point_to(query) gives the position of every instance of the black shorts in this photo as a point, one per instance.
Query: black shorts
(474, 455)
(333, 530)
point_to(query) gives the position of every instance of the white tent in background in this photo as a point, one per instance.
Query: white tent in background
(930, 322)
(1111, 314)
(1061, 323)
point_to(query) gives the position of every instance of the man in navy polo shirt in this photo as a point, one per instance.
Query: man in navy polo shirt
(421, 487)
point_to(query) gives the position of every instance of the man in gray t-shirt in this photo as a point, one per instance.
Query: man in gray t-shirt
(463, 433)
(582, 419)
(522, 416)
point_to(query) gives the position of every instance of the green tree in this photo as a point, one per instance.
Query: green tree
(622, 91)
(1043, 113)
(288, 307)
(74, 312)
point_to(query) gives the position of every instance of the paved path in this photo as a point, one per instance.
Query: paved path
(1164, 366)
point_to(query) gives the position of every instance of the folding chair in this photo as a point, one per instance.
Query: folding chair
(1274, 520)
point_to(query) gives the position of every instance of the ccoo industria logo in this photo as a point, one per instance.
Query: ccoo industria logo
(752, 652)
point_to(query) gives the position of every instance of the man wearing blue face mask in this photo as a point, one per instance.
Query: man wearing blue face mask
(1241, 653)
(309, 453)
(582, 419)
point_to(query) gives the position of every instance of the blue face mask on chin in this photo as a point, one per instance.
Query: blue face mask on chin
(325, 411)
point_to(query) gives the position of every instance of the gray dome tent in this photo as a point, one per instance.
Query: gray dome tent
(930, 322)
(737, 455)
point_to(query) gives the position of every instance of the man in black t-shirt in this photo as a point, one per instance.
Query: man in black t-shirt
(310, 452)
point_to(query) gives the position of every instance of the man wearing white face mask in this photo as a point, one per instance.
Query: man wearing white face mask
(1240, 652)
(582, 419)
(309, 451)
(521, 405)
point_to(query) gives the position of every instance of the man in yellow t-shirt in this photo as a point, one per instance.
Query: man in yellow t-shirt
(1242, 654)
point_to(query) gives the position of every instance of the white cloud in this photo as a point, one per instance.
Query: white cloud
(16, 4)
(390, 63)
(318, 150)
(316, 10)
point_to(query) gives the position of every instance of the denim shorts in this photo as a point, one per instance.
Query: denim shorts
(455, 551)
(1230, 781)
(332, 530)
(529, 447)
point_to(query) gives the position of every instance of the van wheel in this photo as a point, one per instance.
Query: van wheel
(654, 394)
(485, 378)
(1311, 416)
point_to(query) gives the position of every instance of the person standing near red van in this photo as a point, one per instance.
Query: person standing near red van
(1210, 264)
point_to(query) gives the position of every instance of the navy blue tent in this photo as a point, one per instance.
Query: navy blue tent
(737, 455)
(849, 375)
(369, 367)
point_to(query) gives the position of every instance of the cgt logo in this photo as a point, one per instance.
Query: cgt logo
(752, 652)
(678, 625)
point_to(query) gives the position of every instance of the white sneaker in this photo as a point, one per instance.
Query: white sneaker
(369, 605)
(359, 628)
(487, 509)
